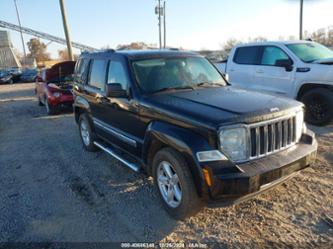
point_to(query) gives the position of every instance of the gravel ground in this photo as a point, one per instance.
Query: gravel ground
(52, 190)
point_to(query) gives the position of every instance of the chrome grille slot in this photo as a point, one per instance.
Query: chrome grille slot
(272, 136)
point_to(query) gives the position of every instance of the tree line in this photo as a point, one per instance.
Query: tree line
(38, 49)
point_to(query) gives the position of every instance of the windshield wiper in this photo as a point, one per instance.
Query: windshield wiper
(174, 88)
(209, 84)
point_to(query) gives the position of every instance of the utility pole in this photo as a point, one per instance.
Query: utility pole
(159, 23)
(66, 30)
(164, 24)
(301, 20)
(19, 21)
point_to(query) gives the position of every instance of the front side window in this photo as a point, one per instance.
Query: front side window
(271, 54)
(247, 55)
(97, 74)
(186, 72)
(117, 74)
(309, 52)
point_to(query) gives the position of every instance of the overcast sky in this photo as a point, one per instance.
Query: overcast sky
(192, 24)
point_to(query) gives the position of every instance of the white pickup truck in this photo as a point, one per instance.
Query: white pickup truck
(302, 70)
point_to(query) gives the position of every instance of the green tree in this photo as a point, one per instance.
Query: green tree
(37, 50)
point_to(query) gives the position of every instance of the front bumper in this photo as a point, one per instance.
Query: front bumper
(254, 177)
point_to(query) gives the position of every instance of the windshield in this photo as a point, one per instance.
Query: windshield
(309, 52)
(176, 73)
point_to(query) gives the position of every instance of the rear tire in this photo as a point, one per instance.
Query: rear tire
(184, 202)
(86, 133)
(318, 106)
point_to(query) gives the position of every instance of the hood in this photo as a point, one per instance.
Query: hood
(221, 105)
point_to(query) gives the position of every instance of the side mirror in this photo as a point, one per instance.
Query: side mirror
(286, 63)
(115, 90)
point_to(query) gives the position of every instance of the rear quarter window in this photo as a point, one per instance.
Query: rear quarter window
(247, 55)
(80, 71)
(98, 74)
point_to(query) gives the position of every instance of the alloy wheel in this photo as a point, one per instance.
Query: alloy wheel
(169, 185)
(85, 133)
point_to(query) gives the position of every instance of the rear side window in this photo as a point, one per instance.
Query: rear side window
(117, 74)
(271, 54)
(81, 71)
(247, 55)
(97, 74)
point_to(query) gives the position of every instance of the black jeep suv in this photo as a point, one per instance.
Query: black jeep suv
(172, 115)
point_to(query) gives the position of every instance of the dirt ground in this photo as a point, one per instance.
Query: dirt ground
(52, 190)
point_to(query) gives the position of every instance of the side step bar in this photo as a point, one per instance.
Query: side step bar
(132, 166)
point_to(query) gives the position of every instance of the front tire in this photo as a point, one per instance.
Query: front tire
(175, 184)
(50, 110)
(86, 134)
(319, 106)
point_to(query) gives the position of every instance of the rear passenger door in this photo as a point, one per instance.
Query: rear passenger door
(94, 90)
(241, 68)
(117, 117)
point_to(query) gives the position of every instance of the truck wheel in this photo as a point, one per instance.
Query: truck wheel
(175, 184)
(86, 134)
(318, 106)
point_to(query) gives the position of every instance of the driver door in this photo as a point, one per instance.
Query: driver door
(271, 78)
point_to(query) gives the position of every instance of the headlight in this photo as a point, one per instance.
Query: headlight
(56, 94)
(299, 124)
(233, 142)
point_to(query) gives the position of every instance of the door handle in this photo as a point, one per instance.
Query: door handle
(260, 71)
(232, 70)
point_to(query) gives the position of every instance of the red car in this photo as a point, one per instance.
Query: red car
(54, 87)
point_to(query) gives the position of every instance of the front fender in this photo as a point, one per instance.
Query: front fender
(182, 140)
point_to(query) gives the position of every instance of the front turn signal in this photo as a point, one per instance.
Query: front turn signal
(207, 177)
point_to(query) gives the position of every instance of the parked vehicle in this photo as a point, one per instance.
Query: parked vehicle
(172, 115)
(6, 77)
(301, 70)
(16, 73)
(29, 75)
(54, 87)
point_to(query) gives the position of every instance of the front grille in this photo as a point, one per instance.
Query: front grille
(269, 137)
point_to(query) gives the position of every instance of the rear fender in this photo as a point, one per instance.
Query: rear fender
(81, 105)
